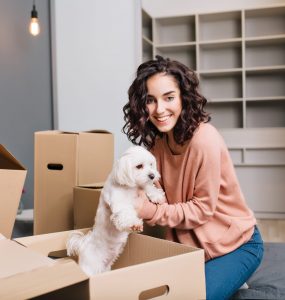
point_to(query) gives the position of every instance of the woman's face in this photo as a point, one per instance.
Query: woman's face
(164, 102)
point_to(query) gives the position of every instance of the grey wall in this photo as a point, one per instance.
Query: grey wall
(25, 82)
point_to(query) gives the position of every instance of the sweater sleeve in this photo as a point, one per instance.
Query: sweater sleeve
(205, 162)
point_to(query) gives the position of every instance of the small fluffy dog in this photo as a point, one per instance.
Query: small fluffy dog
(116, 216)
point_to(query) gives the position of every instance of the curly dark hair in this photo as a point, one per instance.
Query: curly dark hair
(138, 128)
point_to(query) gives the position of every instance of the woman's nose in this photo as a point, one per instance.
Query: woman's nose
(159, 107)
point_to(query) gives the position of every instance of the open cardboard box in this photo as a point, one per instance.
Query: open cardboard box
(147, 268)
(12, 178)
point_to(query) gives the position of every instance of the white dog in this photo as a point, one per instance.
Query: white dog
(116, 216)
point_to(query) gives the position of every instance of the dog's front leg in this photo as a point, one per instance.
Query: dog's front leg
(155, 194)
(124, 217)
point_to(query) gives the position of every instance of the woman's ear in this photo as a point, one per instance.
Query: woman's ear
(123, 172)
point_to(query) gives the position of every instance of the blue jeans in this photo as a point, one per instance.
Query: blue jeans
(227, 273)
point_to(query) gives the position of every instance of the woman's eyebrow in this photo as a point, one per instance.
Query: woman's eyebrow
(165, 94)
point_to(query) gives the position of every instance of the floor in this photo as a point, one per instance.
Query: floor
(272, 230)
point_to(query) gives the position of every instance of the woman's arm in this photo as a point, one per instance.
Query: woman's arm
(201, 207)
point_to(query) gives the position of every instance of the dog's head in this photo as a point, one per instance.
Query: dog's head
(136, 167)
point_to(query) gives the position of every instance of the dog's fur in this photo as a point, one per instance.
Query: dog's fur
(116, 215)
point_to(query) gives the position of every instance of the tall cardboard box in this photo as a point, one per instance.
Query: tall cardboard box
(62, 161)
(12, 178)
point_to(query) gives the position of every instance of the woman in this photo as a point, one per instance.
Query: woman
(205, 206)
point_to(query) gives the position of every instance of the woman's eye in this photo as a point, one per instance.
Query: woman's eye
(170, 98)
(149, 100)
(139, 166)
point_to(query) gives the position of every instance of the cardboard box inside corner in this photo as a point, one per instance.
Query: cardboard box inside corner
(12, 178)
(147, 268)
(64, 160)
(85, 203)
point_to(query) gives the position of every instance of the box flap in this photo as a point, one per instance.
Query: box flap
(96, 185)
(46, 243)
(8, 161)
(41, 280)
(97, 131)
(12, 178)
(15, 259)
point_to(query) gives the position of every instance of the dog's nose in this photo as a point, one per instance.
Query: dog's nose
(151, 176)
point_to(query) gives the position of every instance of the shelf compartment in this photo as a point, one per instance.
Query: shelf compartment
(236, 155)
(264, 113)
(265, 82)
(225, 115)
(175, 30)
(265, 53)
(219, 26)
(265, 156)
(147, 50)
(266, 189)
(220, 56)
(146, 26)
(185, 54)
(226, 85)
(265, 21)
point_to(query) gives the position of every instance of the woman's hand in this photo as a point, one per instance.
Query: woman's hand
(142, 197)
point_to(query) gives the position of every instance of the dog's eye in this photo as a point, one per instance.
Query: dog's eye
(139, 166)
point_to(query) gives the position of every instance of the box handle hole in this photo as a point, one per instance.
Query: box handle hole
(56, 167)
(154, 292)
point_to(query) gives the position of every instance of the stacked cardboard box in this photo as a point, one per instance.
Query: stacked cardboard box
(62, 161)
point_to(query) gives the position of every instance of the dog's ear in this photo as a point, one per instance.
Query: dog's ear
(123, 172)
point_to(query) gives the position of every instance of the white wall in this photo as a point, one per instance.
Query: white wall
(95, 55)
(161, 8)
(96, 50)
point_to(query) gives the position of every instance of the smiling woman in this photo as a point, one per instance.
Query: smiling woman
(205, 206)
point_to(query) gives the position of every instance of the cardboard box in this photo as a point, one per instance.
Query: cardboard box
(85, 203)
(147, 268)
(64, 160)
(12, 178)
(25, 273)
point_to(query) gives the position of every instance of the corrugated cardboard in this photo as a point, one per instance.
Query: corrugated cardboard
(15, 259)
(64, 160)
(85, 203)
(61, 280)
(148, 267)
(25, 273)
(12, 178)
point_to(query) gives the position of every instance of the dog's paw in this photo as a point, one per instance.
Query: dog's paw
(137, 228)
(127, 223)
(156, 196)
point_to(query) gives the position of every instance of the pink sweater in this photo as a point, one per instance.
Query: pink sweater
(206, 207)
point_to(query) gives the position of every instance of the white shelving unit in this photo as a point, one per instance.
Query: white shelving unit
(239, 57)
